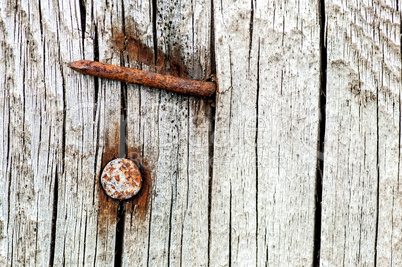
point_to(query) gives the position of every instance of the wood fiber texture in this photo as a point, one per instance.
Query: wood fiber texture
(295, 161)
(266, 133)
(361, 208)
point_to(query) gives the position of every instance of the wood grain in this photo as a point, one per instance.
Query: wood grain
(57, 126)
(361, 191)
(170, 134)
(235, 186)
(266, 134)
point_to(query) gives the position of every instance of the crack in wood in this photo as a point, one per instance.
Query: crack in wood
(54, 217)
(256, 146)
(321, 137)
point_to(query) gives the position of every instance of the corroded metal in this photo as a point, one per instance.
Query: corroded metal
(146, 78)
(121, 179)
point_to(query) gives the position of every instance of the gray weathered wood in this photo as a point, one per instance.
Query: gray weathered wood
(170, 132)
(265, 150)
(361, 208)
(231, 187)
(29, 152)
(58, 128)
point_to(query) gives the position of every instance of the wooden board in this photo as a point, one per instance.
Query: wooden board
(231, 186)
(361, 208)
(57, 125)
(266, 133)
(169, 134)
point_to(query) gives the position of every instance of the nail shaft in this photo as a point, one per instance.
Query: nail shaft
(146, 78)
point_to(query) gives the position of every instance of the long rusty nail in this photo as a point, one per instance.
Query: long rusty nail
(146, 78)
(121, 179)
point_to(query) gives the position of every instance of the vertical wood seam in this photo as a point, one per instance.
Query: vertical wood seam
(154, 31)
(54, 217)
(170, 226)
(321, 135)
(83, 15)
(251, 32)
(378, 178)
(256, 151)
(400, 99)
(96, 113)
(230, 225)
(211, 134)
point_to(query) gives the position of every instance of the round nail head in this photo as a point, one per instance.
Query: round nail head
(121, 179)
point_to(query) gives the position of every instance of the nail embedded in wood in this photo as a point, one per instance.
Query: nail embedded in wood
(146, 78)
(121, 179)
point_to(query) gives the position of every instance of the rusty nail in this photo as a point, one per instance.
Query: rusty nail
(121, 179)
(146, 78)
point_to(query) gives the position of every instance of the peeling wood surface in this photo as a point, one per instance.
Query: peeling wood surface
(237, 184)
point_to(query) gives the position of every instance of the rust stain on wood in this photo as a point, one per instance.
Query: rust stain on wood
(131, 46)
(107, 210)
(138, 206)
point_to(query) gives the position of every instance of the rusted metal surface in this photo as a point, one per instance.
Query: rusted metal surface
(121, 179)
(146, 78)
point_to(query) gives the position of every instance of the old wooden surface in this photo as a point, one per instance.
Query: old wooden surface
(230, 180)
(361, 209)
(267, 118)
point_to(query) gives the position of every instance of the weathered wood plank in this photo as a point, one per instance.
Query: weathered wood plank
(7, 80)
(57, 126)
(361, 193)
(169, 134)
(31, 138)
(86, 220)
(389, 227)
(266, 134)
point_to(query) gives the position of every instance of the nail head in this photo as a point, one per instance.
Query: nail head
(121, 179)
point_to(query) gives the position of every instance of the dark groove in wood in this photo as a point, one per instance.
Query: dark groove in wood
(321, 137)
(154, 30)
(149, 231)
(123, 121)
(400, 99)
(170, 229)
(211, 134)
(188, 177)
(9, 163)
(256, 150)
(54, 217)
(36, 231)
(119, 243)
(40, 19)
(12, 252)
(378, 180)
(64, 251)
(96, 100)
(121, 210)
(85, 238)
(251, 32)
(230, 226)
(121, 214)
(64, 131)
(83, 13)
(24, 108)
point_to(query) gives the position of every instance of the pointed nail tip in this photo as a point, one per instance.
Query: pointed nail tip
(75, 65)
